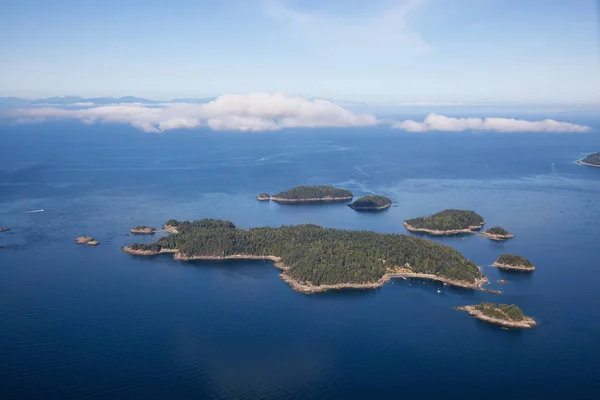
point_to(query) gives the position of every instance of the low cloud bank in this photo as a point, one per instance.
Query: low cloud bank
(269, 112)
(245, 112)
(436, 122)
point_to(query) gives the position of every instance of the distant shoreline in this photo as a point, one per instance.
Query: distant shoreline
(308, 288)
(438, 232)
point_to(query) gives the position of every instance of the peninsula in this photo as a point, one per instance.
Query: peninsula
(593, 160)
(143, 229)
(263, 197)
(3, 229)
(447, 222)
(497, 233)
(509, 316)
(371, 203)
(512, 262)
(316, 259)
(90, 241)
(307, 194)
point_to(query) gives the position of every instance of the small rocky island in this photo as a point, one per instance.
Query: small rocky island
(447, 222)
(497, 233)
(512, 262)
(4, 229)
(509, 316)
(308, 194)
(593, 160)
(263, 197)
(371, 203)
(316, 259)
(143, 230)
(88, 240)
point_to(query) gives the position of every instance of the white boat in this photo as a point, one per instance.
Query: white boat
(439, 291)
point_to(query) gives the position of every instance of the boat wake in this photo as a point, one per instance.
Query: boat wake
(33, 211)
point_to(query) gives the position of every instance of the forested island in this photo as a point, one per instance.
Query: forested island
(88, 240)
(512, 262)
(509, 316)
(447, 222)
(263, 197)
(371, 203)
(316, 259)
(312, 194)
(143, 229)
(497, 233)
(593, 160)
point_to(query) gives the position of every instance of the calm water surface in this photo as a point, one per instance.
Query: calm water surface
(82, 322)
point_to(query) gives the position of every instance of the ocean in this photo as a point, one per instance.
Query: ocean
(80, 322)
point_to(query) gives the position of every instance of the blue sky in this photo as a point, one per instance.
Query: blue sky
(375, 51)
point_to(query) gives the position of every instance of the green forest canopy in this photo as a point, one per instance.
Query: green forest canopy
(511, 259)
(503, 311)
(592, 159)
(313, 192)
(371, 201)
(447, 220)
(319, 255)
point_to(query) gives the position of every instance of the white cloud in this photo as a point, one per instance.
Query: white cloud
(436, 122)
(243, 112)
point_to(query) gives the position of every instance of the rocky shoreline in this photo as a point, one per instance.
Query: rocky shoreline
(145, 231)
(311, 200)
(437, 232)
(513, 267)
(170, 229)
(87, 240)
(307, 287)
(496, 237)
(474, 312)
(263, 198)
(370, 208)
(588, 164)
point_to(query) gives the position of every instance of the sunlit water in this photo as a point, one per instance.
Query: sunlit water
(80, 322)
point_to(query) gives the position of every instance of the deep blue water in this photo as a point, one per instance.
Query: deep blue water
(82, 322)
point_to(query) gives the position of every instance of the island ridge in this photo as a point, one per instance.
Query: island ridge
(593, 160)
(371, 203)
(316, 259)
(447, 222)
(143, 229)
(300, 194)
(497, 233)
(512, 262)
(509, 316)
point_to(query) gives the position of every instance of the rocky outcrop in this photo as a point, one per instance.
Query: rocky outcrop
(526, 322)
(437, 232)
(143, 230)
(87, 240)
(312, 200)
(524, 268)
